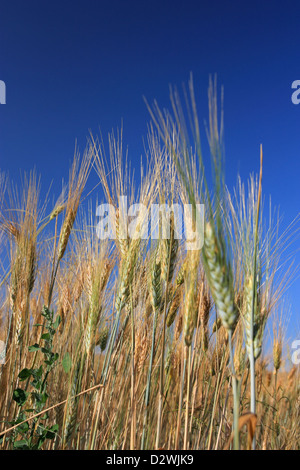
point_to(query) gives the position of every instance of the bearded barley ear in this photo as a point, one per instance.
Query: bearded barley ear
(205, 340)
(46, 290)
(102, 338)
(13, 290)
(178, 327)
(123, 289)
(218, 274)
(171, 315)
(189, 324)
(169, 253)
(291, 375)
(205, 309)
(174, 307)
(149, 310)
(89, 330)
(268, 379)
(122, 294)
(66, 299)
(277, 353)
(19, 333)
(140, 353)
(174, 249)
(217, 325)
(65, 233)
(12, 229)
(56, 211)
(78, 288)
(204, 317)
(173, 365)
(108, 265)
(248, 313)
(169, 298)
(126, 276)
(121, 242)
(32, 271)
(261, 325)
(168, 361)
(257, 343)
(180, 275)
(254, 337)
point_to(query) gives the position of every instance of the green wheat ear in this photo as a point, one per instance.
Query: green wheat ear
(256, 336)
(219, 280)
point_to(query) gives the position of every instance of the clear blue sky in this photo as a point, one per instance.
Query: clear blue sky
(71, 66)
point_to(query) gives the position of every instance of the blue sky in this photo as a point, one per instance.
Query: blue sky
(71, 67)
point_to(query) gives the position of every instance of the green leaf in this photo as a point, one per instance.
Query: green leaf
(36, 384)
(46, 336)
(45, 416)
(54, 428)
(37, 397)
(34, 348)
(21, 445)
(23, 428)
(21, 417)
(44, 397)
(55, 357)
(24, 374)
(37, 373)
(67, 362)
(50, 435)
(57, 322)
(20, 396)
(46, 350)
(46, 313)
(40, 442)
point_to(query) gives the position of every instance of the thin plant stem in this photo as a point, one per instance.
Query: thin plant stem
(236, 438)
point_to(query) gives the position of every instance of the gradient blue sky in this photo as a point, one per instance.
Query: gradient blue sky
(71, 67)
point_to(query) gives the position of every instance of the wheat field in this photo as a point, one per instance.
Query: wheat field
(140, 343)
